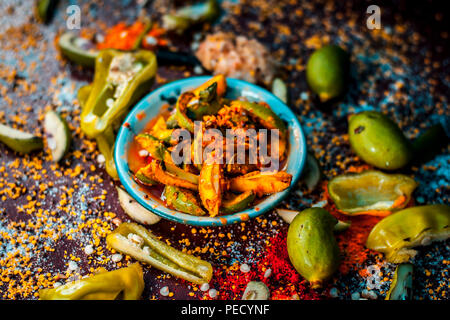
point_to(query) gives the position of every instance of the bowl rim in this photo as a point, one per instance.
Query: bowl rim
(266, 205)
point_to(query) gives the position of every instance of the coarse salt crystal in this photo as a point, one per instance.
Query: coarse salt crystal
(267, 273)
(164, 291)
(135, 239)
(57, 284)
(143, 153)
(198, 69)
(212, 293)
(244, 268)
(73, 265)
(89, 249)
(109, 102)
(116, 257)
(334, 292)
(101, 158)
(204, 287)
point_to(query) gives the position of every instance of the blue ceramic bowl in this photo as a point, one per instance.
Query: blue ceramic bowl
(149, 107)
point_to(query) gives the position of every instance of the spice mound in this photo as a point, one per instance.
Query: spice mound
(236, 57)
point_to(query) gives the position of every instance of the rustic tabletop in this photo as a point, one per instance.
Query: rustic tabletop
(49, 213)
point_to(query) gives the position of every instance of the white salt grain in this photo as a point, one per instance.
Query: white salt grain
(73, 265)
(267, 273)
(204, 287)
(89, 249)
(212, 293)
(244, 268)
(116, 257)
(164, 291)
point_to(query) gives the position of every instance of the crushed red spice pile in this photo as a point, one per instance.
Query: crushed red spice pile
(274, 269)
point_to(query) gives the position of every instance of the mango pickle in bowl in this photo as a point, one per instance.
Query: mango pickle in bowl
(174, 159)
(371, 192)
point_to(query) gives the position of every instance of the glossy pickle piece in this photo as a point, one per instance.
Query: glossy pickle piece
(138, 242)
(371, 192)
(125, 283)
(268, 119)
(210, 187)
(183, 200)
(238, 202)
(260, 183)
(397, 234)
(377, 140)
(312, 247)
(155, 171)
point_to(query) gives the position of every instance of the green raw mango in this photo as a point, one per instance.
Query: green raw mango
(311, 245)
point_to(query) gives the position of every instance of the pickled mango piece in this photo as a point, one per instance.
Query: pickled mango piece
(160, 131)
(154, 171)
(402, 284)
(397, 234)
(260, 183)
(183, 200)
(220, 82)
(20, 141)
(311, 245)
(371, 192)
(238, 203)
(210, 187)
(377, 140)
(154, 147)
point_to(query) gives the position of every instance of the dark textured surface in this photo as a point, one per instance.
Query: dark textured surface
(401, 70)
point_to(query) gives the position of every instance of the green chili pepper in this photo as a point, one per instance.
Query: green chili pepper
(106, 140)
(78, 50)
(371, 192)
(402, 284)
(187, 16)
(141, 244)
(263, 114)
(396, 234)
(120, 80)
(83, 95)
(183, 200)
(126, 283)
(105, 143)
